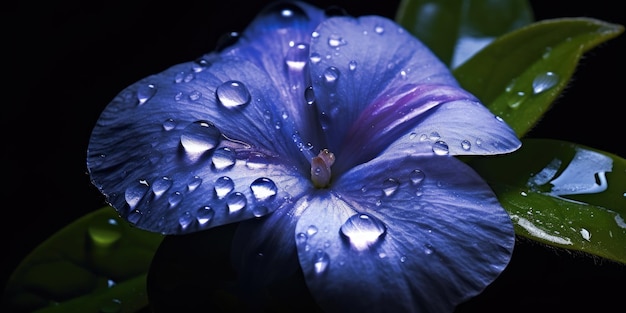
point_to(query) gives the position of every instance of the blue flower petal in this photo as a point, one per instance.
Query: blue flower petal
(357, 61)
(264, 249)
(414, 234)
(185, 149)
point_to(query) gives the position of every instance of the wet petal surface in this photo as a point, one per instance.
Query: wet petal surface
(421, 235)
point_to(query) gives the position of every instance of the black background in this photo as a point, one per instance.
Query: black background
(66, 60)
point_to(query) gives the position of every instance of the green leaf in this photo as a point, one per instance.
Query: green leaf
(562, 194)
(455, 30)
(97, 264)
(520, 74)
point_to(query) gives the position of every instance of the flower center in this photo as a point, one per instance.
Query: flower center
(320, 168)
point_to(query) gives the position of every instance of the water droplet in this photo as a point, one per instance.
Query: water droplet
(223, 186)
(194, 183)
(363, 230)
(236, 202)
(296, 57)
(403, 258)
(309, 95)
(169, 124)
(315, 57)
(233, 94)
(466, 145)
(515, 99)
(544, 82)
(104, 232)
(417, 176)
(175, 199)
(260, 210)
(335, 41)
(285, 14)
(223, 158)
(135, 193)
(145, 92)
(440, 148)
(390, 186)
(205, 215)
(428, 249)
(134, 216)
(185, 220)
(379, 29)
(200, 137)
(311, 230)
(331, 75)
(160, 186)
(352, 65)
(301, 239)
(434, 136)
(195, 95)
(321, 260)
(263, 189)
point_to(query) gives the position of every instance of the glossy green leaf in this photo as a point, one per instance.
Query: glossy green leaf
(455, 30)
(563, 194)
(97, 264)
(519, 75)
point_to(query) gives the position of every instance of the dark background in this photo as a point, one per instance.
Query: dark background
(66, 60)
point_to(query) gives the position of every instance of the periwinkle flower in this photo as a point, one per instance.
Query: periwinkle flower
(332, 141)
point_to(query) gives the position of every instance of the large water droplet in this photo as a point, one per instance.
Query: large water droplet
(390, 186)
(321, 260)
(236, 202)
(205, 215)
(194, 183)
(223, 158)
(200, 137)
(297, 57)
(263, 189)
(145, 92)
(174, 199)
(233, 94)
(363, 230)
(544, 82)
(309, 95)
(223, 186)
(440, 148)
(185, 220)
(135, 193)
(161, 185)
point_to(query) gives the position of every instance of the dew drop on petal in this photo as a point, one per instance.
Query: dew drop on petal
(174, 199)
(263, 189)
(315, 57)
(311, 230)
(331, 75)
(260, 210)
(223, 158)
(352, 65)
(194, 183)
(321, 260)
(205, 215)
(145, 92)
(417, 176)
(309, 95)
(236, 202)
(297, 56)
(390, 186)
(200, 137)
(223, 186)
(379, 29)
(363, 230)
(135, 193)
(233, 94)
(195, 95)
(428, 249)
(544, 82)
(301, 239)
(185, 220)
(466, 145)
(160, 186)
(169, 124)
(440, 148)
(336, 41)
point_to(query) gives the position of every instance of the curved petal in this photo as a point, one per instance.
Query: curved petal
(264, 249)
(355, 61)
(460, 127)
(185, 149)
(277, 41)
(414, 234)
